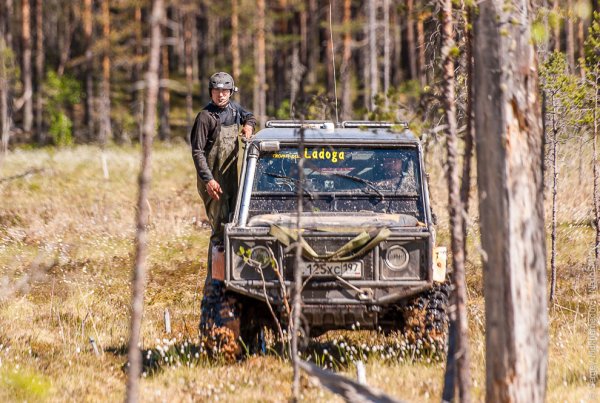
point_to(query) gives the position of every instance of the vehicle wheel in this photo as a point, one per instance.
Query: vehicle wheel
(426, 318)
(253, 328)
(220, 321)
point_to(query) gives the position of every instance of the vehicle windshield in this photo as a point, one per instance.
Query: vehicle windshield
(355, 170)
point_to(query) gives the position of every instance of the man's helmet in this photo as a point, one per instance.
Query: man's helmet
(221, 80)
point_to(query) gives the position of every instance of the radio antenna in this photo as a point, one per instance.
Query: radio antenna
(337, 119)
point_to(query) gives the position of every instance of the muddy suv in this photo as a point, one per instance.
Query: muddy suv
(369, 256)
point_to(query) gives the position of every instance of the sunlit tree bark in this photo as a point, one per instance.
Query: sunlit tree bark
(26, 65)
(510, 180)
(105, 120)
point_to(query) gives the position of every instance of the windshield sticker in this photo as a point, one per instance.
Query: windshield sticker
(291, 155)
(323, 154)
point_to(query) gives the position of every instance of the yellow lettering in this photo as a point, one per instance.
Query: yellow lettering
(334, 157)
(315, 154)
(306, 155)
(341, 155)
(322, 154)
(328, 155)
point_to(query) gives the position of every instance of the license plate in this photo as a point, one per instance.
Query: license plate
(329, 269)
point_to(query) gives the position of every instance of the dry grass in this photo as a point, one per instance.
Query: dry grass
(66, 249)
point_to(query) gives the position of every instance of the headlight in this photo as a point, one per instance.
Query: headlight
(251, 260)
(397, 257)
(261, 255)
(402, 260)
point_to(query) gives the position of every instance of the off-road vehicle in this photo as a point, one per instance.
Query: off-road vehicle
(369, 256)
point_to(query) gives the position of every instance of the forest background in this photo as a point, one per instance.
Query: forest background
(71, 105)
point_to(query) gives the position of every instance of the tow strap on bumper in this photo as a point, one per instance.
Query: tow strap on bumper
(357, 246)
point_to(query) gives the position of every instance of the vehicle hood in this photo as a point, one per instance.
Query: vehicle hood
(338, 222)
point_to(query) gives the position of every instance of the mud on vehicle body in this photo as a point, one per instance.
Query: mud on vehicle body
(369, 257)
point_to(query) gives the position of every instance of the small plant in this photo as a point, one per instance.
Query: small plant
(62, 92)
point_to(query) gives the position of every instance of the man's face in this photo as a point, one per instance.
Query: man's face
(220, 97)
(392, 167)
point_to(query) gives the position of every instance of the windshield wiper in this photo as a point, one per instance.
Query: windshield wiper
(294, 181)
(361, 180)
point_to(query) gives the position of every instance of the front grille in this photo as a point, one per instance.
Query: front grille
(326, 245)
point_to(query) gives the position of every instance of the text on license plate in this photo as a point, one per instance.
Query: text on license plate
(342, 269)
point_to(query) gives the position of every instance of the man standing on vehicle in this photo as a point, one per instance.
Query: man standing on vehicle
(215, 149)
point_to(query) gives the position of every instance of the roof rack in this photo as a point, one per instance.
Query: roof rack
(303, 124)
(373, 124)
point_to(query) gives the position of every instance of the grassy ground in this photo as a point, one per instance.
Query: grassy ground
(66, 232)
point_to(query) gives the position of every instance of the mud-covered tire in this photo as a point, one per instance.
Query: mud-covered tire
(220, 321)
(426, 318)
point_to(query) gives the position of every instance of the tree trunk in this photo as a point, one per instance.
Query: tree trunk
(397, 65)
(211, 41)
(460, 359)
(410, 39)
(421, 49)
(596, 174)
(65, 37)
(373, 62)
(26, 65)
(178, 34)
(141, 239)
(554, 146)
(328, 54)
(345, 66)
(39, 72)
(235, 42)
(6, 19)
(570, 37)
(303, 21)
(164, 130)
(189, 73)
(261, 101)
(5, 114)
(313, 41)
(510, 179)
(580, 46)
(556, 30)
(89, 68)
(105, 121)
(138, 92)
(195, 45)
(465, 188)
(387, 44)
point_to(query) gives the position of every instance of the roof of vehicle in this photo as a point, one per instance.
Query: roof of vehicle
(328, 133)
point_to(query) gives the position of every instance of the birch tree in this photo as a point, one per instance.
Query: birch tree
(141, 250)
(458, 353)
(510, 179)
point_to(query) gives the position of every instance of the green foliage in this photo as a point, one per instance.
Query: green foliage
(62, 92)
(8, 70)
(592, 45)
(24, 385)
(564, 94)
(403, 104)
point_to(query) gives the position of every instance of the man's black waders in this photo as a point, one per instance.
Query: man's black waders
(223, 163)
(216, 309)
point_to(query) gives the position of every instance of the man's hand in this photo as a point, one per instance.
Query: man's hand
(214, 189)
(247, 131)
